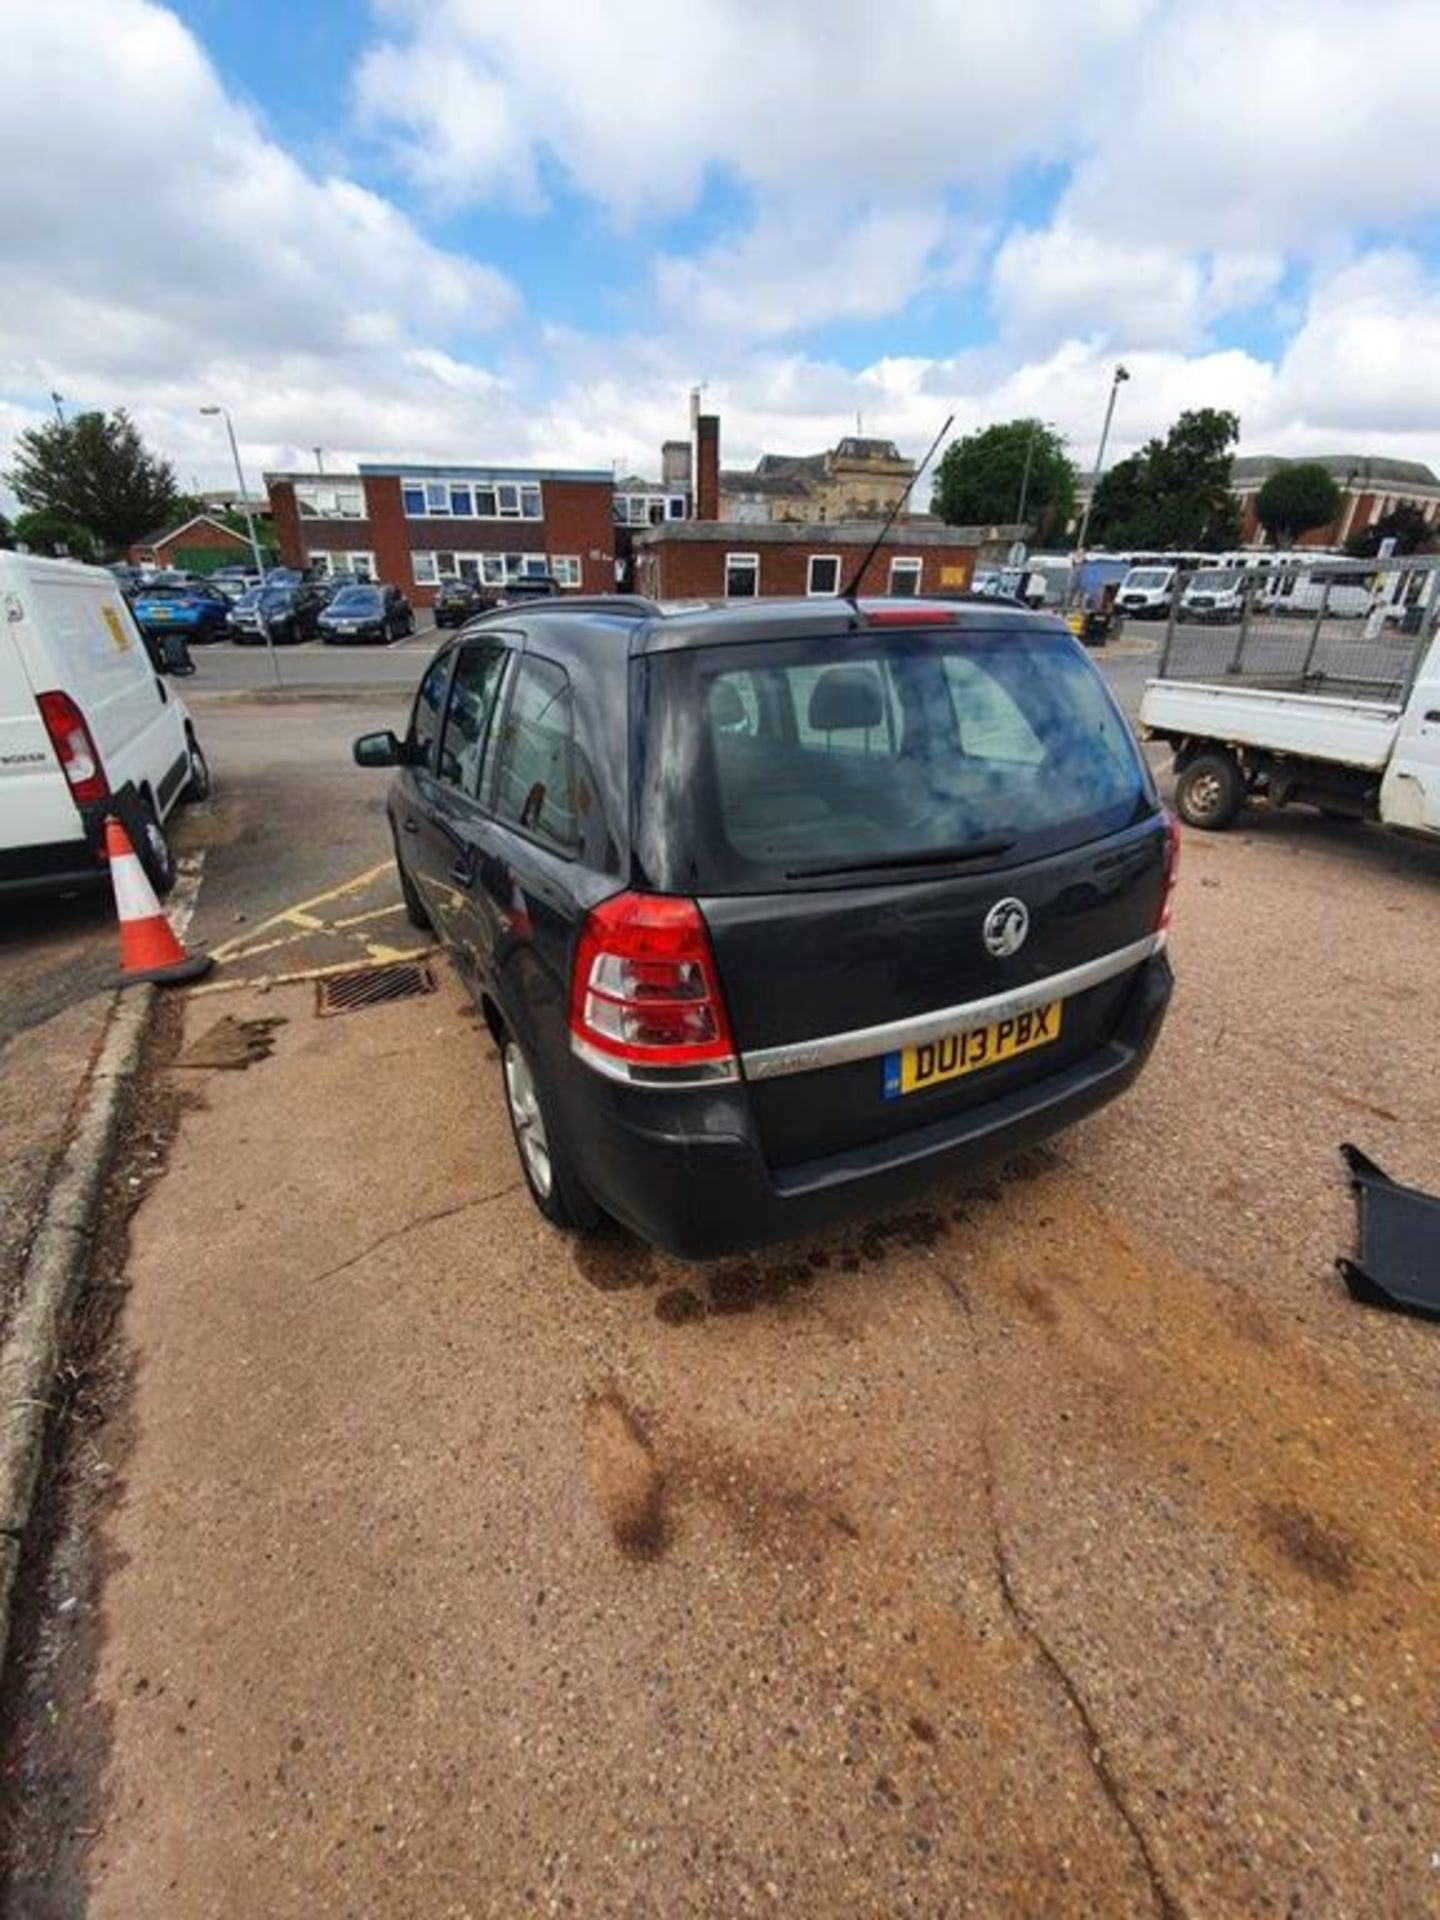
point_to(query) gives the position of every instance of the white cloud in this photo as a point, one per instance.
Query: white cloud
(1062, 280)
(1287, 126)
(806, 261)
(634, 106)
(160, 249)
(1366, 360)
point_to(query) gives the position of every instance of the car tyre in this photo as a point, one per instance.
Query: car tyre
(554, 1183)
(1210, 792)
(153, 849)
(200, 785)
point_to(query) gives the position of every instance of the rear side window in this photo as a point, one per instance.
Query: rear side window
(536, 788)
(808, 761)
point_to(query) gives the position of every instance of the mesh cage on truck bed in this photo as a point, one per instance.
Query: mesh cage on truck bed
(1353, 628)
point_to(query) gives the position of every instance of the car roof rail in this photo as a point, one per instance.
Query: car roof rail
(635, 606)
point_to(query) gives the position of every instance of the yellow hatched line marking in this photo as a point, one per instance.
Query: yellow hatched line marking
(297, 917)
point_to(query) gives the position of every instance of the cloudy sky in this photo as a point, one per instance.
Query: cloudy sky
(477, 229)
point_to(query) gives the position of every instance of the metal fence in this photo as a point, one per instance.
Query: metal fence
(1355, 628)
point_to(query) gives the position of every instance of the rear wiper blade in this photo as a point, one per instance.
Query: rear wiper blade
(932, 857)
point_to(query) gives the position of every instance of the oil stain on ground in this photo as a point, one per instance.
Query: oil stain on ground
(628, 1486)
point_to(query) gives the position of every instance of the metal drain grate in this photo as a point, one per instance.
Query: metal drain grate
(372, 987)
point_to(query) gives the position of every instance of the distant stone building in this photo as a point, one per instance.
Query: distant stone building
(858, 479)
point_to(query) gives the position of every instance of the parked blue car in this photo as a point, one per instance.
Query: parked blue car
(196, 611)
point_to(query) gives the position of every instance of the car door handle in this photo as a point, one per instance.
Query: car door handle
(1433, 717)
(463, 871)
(410, 824)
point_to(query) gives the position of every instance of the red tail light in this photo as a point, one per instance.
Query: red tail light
(645, 993)
(1172, 873)
(74, 749)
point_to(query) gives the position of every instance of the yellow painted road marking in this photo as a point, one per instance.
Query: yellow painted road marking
(377, 913)
(298, 919)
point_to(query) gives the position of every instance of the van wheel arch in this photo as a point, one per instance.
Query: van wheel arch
(154, 852)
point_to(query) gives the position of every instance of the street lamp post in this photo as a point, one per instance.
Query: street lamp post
(224, 413)
(1025, 481)
(1121, 374)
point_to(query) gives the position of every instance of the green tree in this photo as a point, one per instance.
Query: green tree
(56, 534)
(96, 472)
(7, 533)
(1297, 496)
(1405, 524)
(1175, 492)
(980, 478)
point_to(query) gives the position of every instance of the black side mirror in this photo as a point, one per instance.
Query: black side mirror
(380, 750)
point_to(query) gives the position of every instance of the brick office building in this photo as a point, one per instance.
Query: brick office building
(739, 560)
(416, 525)
(1370, 488)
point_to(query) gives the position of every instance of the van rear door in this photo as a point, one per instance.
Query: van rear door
(899, 836)
(35, 805)
(84, 642)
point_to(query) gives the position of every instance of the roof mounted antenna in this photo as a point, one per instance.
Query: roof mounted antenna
(852, 592)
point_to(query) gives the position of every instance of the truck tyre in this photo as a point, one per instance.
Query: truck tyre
(1210, 792)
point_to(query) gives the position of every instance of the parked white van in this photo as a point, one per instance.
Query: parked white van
(87, 727)
(1146, 592)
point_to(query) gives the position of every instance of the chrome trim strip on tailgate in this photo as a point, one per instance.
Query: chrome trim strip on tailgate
(864, 1043)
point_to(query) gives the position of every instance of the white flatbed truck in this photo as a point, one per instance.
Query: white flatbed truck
(1367, 755)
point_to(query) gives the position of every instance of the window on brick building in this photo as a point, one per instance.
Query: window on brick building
(566, 569)
(904, 579)
(823, 575)
(314, 501)
(329, 563)
(742, 576)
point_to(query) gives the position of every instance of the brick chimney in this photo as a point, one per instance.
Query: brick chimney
(707, 466)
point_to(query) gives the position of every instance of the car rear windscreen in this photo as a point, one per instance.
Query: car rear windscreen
(810, 761)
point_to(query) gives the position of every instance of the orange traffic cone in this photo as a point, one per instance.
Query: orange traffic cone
(148, 947)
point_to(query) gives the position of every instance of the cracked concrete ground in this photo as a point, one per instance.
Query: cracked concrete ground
(1065, 1546)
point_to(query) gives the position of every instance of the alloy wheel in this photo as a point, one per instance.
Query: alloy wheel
(527, 1119)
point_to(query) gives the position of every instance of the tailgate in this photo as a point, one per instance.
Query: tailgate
(839, 1000)
(853, 812)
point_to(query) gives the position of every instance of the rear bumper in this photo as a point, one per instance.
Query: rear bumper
(64, 866)
(684, 1171)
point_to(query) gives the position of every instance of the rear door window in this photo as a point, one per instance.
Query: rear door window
(880, 753)
(430, 703)
(479, 671)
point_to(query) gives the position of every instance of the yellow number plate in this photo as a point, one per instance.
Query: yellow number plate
(960, 1053)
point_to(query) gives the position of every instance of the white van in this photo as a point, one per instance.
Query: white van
(87, 727)
(1146, 592)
